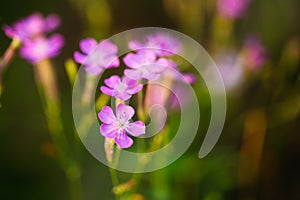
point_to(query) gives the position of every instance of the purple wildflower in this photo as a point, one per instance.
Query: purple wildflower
(255, 55)
(41, 48)
(97, 56)
(32, 26)
(230, 67)
(122, 89)
(179, 90)
(144, 64)
(232, 8)
(161, 44)
(116, 126)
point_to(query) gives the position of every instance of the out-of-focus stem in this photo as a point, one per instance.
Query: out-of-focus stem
(141, 111)
(221, 32)
(7, 57)
(9, 53)
(48, 88)
(114, 162)
(71, 70)
(88, 90)
(251, 150)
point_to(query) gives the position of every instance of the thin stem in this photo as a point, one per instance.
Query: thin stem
(141, 111)
(7, 57)
(48, 88)
(9, 53)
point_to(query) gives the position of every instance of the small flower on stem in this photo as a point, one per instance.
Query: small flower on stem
(143, 64)
(116, 126)
(41, 48)
(161, 44)
(122, 89)
(97, 57)
(32, 26)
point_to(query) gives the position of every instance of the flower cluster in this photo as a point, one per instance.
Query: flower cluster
(31, 31)
(149, 61)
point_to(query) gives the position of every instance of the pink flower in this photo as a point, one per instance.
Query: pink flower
(144, 64)
(255, 54)
(122, 89)
(232, 8)
(97, 56)
(41, 48)
(161, 44)
(116, 126)
(230, 67)
(173, 72)
(32, 26)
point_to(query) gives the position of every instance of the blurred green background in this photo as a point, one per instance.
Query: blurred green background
(258, 154)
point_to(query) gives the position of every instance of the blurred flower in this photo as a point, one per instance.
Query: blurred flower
(232, 8)
(171, 71)
(144, 65)
(32, 26)
(179, 90)
(254, 54)
(41, 48)
(231, 68)
(122, 89)
(161, 44)
(159, 94)
(97, 56)
(116, 126)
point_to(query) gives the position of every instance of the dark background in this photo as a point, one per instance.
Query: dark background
(28, 165)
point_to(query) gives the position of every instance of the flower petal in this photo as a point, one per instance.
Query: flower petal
(123, 141)
(112, 81)
(123, 96)
(108, 47)
(55, 43)
(108, 130)
(106, 115)
(9, 31)
(136, 128)
(150, 75)
(124, 112)
(79, 58)
(52, 22)
(135, 89)
(107, 90)
(131, 60)
(135, 45)
(95, 70)
(114, 62)
(87, 45)
(133, 74)
(190, 78)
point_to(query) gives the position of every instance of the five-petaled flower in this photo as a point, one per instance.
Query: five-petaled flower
(122, 89)
(97, 56)
(42, 48)
(116, 126)
(161, 44)
(33, 26)
(144, 64)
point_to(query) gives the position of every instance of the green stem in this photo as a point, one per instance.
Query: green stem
(45, 78)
